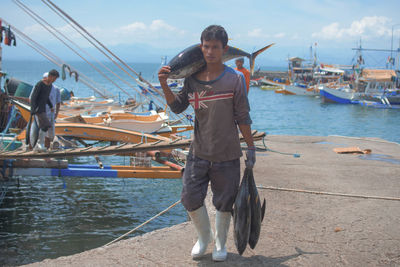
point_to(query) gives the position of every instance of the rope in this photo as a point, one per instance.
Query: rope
(36, 17)
(51, 57)
(265, 148)
(12, 141)
(11, 118)
(146, 222)
(61, 13)
(93, 58)
(326, 193)
(83, 31)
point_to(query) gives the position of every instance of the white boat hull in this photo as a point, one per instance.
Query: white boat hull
(138, 126)
(297, 90)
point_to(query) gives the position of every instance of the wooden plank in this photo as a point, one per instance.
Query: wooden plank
(109, 150)
(163, 174)
(38, 163)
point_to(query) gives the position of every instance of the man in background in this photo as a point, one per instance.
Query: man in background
(55, 98)
(39, 99)
(239, 67)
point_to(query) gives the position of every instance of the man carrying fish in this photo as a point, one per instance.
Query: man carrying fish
(218, 96)
(55, 98)
(39, 99)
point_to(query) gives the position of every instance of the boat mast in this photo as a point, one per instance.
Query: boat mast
(1, 53)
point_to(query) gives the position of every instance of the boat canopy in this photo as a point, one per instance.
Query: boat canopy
(296, 59)
(378, 75)
(333, 70)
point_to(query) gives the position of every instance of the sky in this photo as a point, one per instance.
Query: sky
(145, 31)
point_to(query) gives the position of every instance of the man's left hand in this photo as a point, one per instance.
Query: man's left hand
(250, 157)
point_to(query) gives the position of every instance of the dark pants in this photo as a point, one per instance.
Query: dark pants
(42, 121)
(224, 177)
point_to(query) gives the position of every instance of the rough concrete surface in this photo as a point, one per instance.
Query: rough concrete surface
(299, 229)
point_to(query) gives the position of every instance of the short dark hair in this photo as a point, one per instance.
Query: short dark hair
(215, 32)
(54, 72)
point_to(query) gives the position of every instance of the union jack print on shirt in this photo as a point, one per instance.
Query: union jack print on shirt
(198, 99)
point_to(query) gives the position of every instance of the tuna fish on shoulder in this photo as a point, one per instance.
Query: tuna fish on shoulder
(191, 60)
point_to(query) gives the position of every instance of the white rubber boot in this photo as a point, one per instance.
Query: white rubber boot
(222, 221)
(202, 224)
(40, 142)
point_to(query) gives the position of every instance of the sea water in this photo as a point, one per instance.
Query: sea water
(48, 217)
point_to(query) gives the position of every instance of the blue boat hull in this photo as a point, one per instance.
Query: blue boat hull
(331, 98)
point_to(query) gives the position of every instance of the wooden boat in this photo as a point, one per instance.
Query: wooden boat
(147, 122)
(103, 133)
(84, 102)
(374, 88)
(299, 89)
(80, 129)
(269, 87)
(93, 132)
(87, 107)
(175, 85)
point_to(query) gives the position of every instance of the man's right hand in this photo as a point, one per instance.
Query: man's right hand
(163, 74)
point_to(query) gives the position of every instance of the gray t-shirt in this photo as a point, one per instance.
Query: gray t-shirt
(55, 98)
(219, 105)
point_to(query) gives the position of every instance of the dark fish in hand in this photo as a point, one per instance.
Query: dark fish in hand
(191, 60)
(33, 131)
(28, 130)
(242, 215)
(257, 211)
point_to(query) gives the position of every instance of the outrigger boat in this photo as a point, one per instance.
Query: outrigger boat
(375, 87)
(83, 130)
(150, 122)
(175, 85)
(146, 122)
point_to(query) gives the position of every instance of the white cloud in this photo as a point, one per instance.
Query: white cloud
(295, 36)
(155, 32)
(34, 29)
(136, 26)
(280, 35)
(367, 27)
(255, 33)
(158, 25)
(258, 33)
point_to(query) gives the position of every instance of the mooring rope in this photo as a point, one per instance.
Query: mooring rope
(265, 148)
(326, 193)
(50, 56)
(103, 49)
(10, 143)
(76, 45)
(37, 18)
(83, 31)
(146, 222)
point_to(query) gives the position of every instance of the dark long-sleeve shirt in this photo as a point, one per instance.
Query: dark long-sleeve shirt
(219, 106)
(40, 97)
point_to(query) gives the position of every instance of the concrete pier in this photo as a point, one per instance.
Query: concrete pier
(299, 229)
